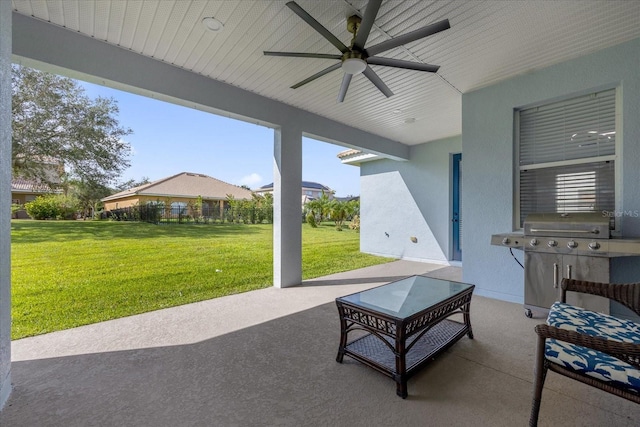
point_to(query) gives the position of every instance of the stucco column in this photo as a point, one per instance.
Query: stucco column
(287, 210)
(5, 201)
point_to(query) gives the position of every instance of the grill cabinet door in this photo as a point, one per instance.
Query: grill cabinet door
(594, 269)
(539, 287)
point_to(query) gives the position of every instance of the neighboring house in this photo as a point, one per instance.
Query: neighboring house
(310, 191)
(177, 192)
(24, 191)
(348, 199)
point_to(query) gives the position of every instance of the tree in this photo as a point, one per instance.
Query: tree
(55, 122)
(319, 208)
(88, 195)
(338, 211)
(121, 186)
(264, 207)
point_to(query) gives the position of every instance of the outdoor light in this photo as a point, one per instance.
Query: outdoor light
(212, 24)
(354, 65)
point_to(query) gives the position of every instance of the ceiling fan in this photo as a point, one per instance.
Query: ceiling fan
(355, 59)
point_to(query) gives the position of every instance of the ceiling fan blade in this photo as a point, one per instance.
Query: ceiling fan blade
(344, 86)
(317, 26)
(316, 75)
(398, 63)
(303, 55)
(408, 38)
(367, 22)
(377, 81)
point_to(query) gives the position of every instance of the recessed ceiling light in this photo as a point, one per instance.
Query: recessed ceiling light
(212, 24)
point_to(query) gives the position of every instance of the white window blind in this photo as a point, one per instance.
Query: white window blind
(566, 155)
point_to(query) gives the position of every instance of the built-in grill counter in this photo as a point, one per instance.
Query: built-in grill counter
(572, 245)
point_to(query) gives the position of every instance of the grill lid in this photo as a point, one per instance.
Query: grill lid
(593, 225)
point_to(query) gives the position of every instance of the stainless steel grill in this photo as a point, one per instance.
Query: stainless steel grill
(571, 245)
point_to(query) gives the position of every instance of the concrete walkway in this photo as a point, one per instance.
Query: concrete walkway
(191, 323)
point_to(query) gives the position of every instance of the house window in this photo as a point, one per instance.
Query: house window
(178, 208)
(566, 152)
(576, 191)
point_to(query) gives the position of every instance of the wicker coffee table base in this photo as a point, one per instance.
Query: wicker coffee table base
(394, 354)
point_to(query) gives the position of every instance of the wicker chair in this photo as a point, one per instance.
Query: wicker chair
(586, 338)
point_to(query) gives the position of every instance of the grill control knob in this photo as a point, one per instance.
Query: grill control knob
(506, 241)
(552, 243)
(572, 244)
(594, 246)
(533, 242)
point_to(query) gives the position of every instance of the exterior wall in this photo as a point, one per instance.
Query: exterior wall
(21, 199)
(121, 203)
(135, 200)
(314, 193)
(401, 200)
(488, 170)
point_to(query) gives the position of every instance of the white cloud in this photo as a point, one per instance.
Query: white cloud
(251, 180)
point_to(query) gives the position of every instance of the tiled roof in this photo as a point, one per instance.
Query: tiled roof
(355, 157)
(27, 186)
(349, 152)
(186, 184)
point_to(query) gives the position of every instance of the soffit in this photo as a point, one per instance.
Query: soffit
(488, 41)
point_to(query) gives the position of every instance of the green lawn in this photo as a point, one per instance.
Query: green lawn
(71, 273)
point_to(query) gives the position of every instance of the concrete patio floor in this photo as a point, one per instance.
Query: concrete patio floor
(267, 358)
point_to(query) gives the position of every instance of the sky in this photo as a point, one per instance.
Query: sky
(168, 139)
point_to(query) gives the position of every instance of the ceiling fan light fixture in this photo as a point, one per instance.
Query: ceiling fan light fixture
(354, 65)
(212, 24)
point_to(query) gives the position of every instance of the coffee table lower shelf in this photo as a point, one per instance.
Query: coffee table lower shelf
(370, 350)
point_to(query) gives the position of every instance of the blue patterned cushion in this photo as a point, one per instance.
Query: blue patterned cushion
(587, 361)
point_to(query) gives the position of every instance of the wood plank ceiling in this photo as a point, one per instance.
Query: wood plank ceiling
(488, 41)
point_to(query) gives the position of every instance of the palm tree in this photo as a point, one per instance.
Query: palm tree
(338, 211)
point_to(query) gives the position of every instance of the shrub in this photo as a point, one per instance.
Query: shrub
(355, 223)
(15, 208)
(51, 206)
(311, 220)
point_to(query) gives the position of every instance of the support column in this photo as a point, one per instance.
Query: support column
(5, 201)
(287, 207)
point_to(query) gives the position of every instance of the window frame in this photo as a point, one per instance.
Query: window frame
(615, 157)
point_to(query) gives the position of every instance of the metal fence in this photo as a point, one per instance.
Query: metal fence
(190, 215)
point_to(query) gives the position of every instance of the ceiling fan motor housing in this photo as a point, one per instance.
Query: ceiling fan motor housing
(353, 23)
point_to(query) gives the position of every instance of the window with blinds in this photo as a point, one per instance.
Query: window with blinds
(566, 155)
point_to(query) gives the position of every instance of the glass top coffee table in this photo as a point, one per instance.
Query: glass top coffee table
(403, 325)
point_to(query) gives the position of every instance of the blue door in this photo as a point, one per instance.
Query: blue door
(455, 210)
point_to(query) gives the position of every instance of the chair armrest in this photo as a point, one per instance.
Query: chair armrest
(627, 352)
(627, 294)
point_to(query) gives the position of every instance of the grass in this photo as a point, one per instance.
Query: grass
(72, 273)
